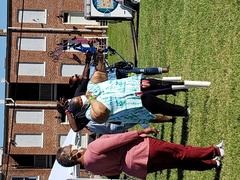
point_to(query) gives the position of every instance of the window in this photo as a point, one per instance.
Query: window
(33, 91)
(30, 117)
(31, 69)
(32, 16)
(62, 139)
(82, 140)
(32, 43)
(41, 92)
(44, 161)
(34, 161)
(77, 18)
(64, 119)
(29, 140)
(26, 178)
(68, 70)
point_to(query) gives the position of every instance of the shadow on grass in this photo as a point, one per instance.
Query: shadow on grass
(184, 139)
(217, 174)
(184, 136)
(172, 140)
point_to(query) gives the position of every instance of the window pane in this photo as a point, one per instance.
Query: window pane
(62, 139)
(32, 44)
(31, 69)
(24, 178)
(32, 16)
(30, 117)
(68, 70)
(29, 140)
(43, 92)
(17, 178)
(30, 178)
(82, 140)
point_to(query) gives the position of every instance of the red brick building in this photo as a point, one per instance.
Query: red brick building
(33, 131)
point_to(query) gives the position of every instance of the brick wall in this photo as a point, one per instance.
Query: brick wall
(52, 127)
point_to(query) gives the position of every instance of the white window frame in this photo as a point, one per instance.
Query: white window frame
(30, 111)
(34, 20)
(42, 140)
(44, 38)
(32, 63)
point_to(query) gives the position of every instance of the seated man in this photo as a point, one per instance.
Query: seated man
(137, 154)
(80, 84)
(117, 101)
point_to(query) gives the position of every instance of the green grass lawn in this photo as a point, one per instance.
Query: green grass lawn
(200, 40)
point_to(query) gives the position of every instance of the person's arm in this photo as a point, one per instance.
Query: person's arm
(82, 88)
(112, 141)
(86, 69)
(98, 77)
(106, 128)
(99, 112)
(148, 130)
(72, 121)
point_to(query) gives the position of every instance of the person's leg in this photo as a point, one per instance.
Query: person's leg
(165, 155)
(158, 106)
(152, 84)
(159, 87)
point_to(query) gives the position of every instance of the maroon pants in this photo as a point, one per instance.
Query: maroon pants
(165, 155)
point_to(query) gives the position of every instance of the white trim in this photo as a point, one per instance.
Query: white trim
(46, 13)
(44, 67)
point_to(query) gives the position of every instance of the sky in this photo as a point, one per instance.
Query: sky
(3, 25)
